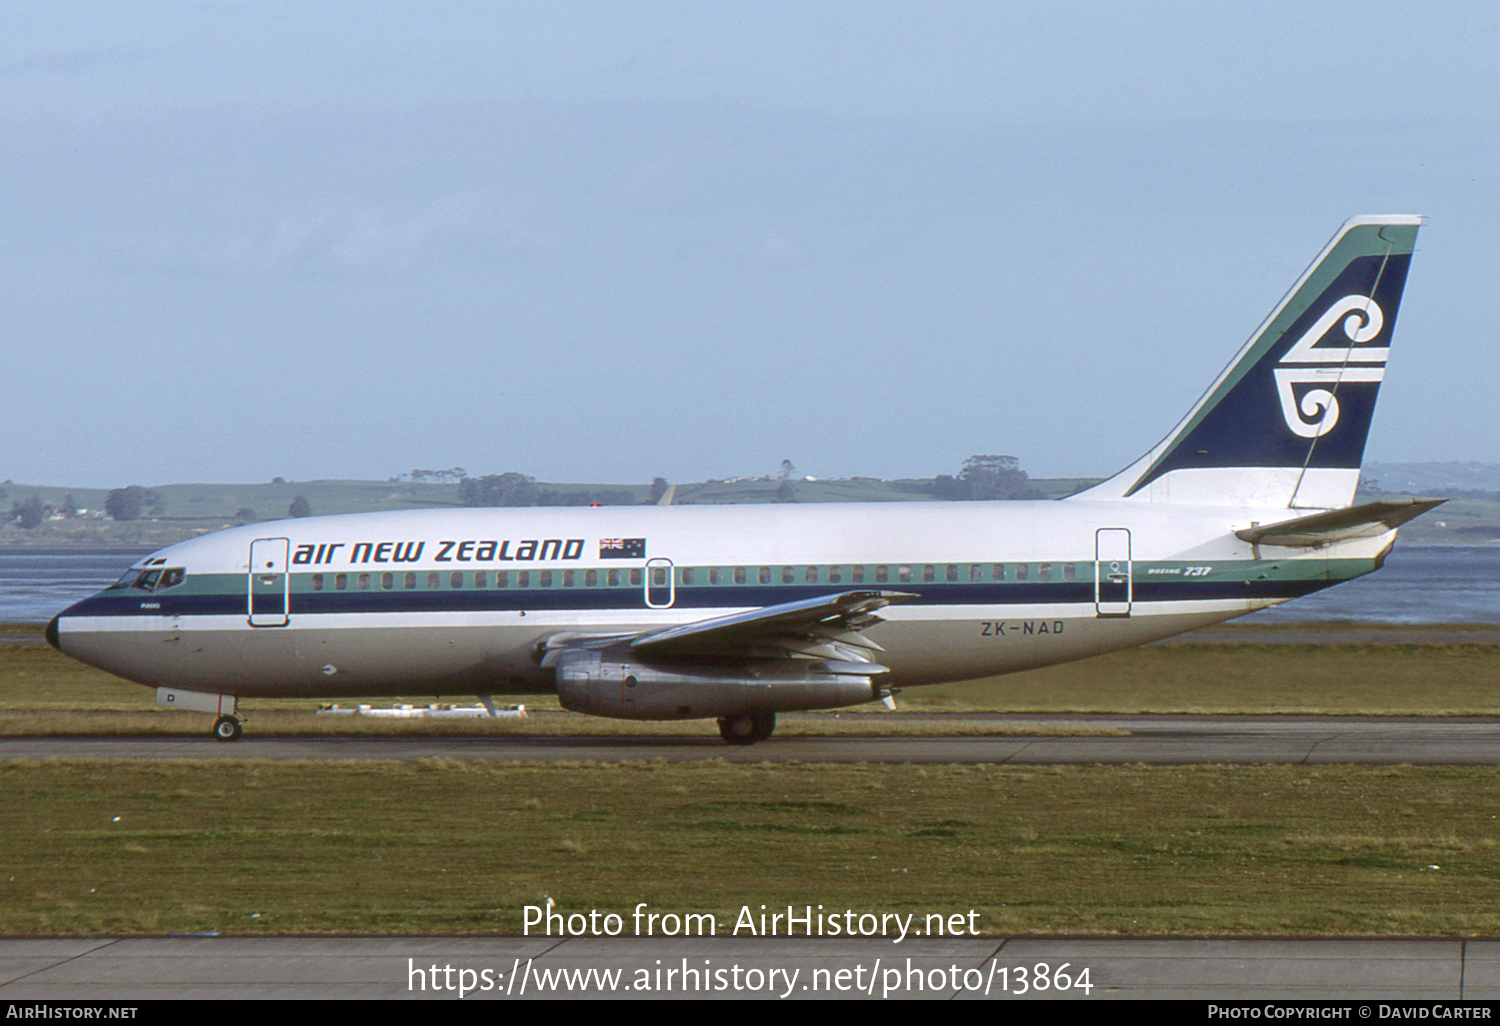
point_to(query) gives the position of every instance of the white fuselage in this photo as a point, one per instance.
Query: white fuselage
(434, 602)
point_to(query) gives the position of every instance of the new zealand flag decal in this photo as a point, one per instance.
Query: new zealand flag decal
(622, 548)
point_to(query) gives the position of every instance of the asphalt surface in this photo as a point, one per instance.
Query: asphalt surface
(1360, 972)
(1151, 740)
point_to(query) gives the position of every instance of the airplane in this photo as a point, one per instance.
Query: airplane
(737, 613)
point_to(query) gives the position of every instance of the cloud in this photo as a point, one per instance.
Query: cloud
(347, 237)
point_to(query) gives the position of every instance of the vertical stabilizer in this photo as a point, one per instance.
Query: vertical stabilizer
(1286, 423)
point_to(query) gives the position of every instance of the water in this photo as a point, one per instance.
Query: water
(1419, 584)
(37, 584)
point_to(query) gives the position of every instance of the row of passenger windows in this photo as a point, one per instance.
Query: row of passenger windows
(478, 579)
(689, 576)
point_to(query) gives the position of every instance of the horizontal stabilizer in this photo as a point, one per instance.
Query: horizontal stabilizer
(1367, 521)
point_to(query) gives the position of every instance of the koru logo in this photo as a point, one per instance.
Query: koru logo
(1316, 413)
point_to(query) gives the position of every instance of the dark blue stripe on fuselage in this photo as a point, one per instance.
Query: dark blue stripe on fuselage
(627, 600)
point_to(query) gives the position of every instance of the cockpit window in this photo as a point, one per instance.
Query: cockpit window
(154, 579)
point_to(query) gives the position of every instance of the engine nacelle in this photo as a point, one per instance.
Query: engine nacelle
(613, 684)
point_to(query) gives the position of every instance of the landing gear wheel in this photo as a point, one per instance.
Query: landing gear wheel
(227, 728)
(746, 728)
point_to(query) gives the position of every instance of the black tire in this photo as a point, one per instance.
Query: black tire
(747, 728)
(227, 728)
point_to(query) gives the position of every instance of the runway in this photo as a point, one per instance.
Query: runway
(124, 970)
(1206, 969)
(1150, 740)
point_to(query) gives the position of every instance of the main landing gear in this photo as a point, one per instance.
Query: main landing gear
(747, 728)
(227, 728)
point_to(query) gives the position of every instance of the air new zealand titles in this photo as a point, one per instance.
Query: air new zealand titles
(468, 551)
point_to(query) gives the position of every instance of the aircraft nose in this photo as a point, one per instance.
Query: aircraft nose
(51, 633)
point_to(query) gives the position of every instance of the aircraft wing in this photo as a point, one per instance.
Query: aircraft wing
(826, 627)
(788, 626)
(1367, 521)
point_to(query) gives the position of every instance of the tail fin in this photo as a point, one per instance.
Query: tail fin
(1285, 424)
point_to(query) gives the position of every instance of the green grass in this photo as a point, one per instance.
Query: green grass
(1392, 679)
(441, 846)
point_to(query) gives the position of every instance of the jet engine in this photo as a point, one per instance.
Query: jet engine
(613, 683)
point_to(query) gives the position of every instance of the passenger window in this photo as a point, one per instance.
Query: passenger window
(810, 575)
(570, 578)
(976, 572)
(687, 575)
(364, 582)
(613, 578)
(387, 581)
(590, 578)
(502, 578)
(456, 579)
(635, 577)
(904, 574)
(340, 582)
(410, 581)
(763, 575)
(523, 578)
(739, 575)
(857, 575)
(998, 572)
(952, 572)
(788, 575)
(433, 580)
(1022, 570)
(929, 574)
(317, 582)
(882, 574)
(481, 579)
(544, 579)
(715, 575)
(1070, 572)
(1044, 572)
(658, 577)
(835, 575)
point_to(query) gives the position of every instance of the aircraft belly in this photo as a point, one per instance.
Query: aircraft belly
(316, 662)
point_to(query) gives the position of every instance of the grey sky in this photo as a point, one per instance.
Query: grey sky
(606, 241)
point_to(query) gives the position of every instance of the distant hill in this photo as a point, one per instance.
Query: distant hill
(178, 511)
(1432, 478)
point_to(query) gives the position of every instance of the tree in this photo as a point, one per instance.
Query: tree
(29, 514)
(788, 470)
(508, 489)
(125, 503)
(996, 477)
(786, 493)
(244, 514)
(300, 507)
(659, 488)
